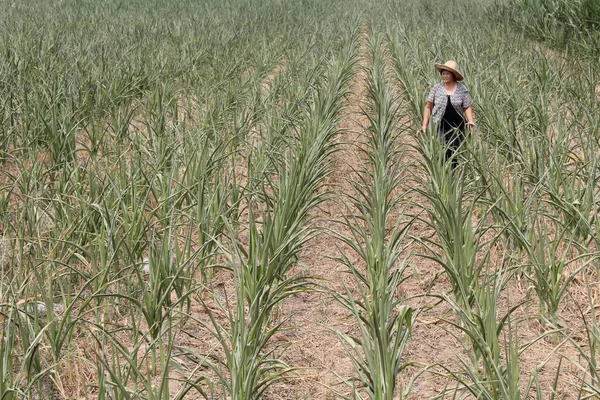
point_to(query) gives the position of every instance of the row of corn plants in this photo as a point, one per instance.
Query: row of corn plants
(377, 232)
(460, 250)
(279, 225)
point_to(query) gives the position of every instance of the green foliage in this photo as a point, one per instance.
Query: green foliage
(149, 147)
(563, 24)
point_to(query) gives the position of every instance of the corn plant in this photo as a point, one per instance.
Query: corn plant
(125, 373)
(453, 201)
(8, 384)
(491, 369)
(550, 261)
(571, 193)
(590, 349)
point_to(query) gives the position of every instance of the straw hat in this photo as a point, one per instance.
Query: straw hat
(450, 66)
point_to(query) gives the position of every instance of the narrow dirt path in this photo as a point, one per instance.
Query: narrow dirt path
(430, 343)
(310, 341)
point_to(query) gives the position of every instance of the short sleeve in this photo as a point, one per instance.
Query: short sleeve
(466, 101)
(431, 96)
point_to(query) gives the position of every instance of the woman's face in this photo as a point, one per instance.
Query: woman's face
(447, 77)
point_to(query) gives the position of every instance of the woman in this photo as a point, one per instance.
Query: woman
(449, 104)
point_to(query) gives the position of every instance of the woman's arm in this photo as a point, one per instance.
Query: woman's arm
(469, 115)
(426, 115)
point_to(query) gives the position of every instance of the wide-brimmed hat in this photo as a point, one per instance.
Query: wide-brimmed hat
(450, 66)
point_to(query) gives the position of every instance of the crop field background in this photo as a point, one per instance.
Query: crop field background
(228, 200)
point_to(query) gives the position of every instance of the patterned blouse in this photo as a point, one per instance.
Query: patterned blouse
(438, 97)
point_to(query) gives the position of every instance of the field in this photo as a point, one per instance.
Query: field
(229, 200)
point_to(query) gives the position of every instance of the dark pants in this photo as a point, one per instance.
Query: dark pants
(452, 137)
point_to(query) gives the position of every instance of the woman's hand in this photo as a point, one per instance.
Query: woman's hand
(471, 126)
(470, 119)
